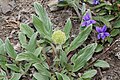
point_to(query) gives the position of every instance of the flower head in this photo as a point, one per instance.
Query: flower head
(102, 32)
(58, 37)
(96, 2)
(87, 20)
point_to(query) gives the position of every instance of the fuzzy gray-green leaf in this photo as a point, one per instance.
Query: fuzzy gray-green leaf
(42, 69)
(82, 36)
(16, 76)
(102, 63)
(13, 67)
(1, 41)
(22, 39)
(32, 43)
(39, 76)
(89, 74)
(99, 48)
(83, 56)
(64, 76)
(104, 20)
(43, 16)
(115, 32)
(9, 48)
(3, 59)
(27, 56)
(116, 24)
(40, 27)
(67, 28)
(26, 29)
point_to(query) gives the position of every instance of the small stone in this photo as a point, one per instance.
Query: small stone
(104, 78)
(6, 6)
(53, 5)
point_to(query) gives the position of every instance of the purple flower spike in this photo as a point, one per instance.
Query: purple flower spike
(102, 32)
(87, 20)
(96, 2)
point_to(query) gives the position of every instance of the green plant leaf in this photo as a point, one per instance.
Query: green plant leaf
(38, 76)
(43, 17)
(26, 30)
(109, 7)
(62, 4)
(3, 75)
(16, 76)
(63, 58)
(116, 24)
(42, 69)
(59, 77)
(99, 48)
(38, 51)
(98, 6)
(115, 32)
(83, 56)
(67, 28)
(73, 58)
(80, 78)
(89, 74)
(32, 43)
(13, 67)
(27, 56)
(38, 54)
(40, 27)
(102, 12)
(110, 40)
(3, 59)
(27, 66)
(1, 42)
(68, 67)
(53, 77)
(104, 20)
(64, 77)
(109, 17)
(102, 63)
(9, 48)
(82, 36)
(22, 39)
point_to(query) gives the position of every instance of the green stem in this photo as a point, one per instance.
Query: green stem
(58, 48)
(54, 50)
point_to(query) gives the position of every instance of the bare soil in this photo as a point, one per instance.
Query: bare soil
(14, 12)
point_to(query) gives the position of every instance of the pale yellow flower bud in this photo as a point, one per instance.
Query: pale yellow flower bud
(58, 37)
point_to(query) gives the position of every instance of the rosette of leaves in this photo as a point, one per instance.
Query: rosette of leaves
(41, 59)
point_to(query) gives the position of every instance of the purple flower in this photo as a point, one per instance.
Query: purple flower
(87, 20)
(102, 32)
(96, 2)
